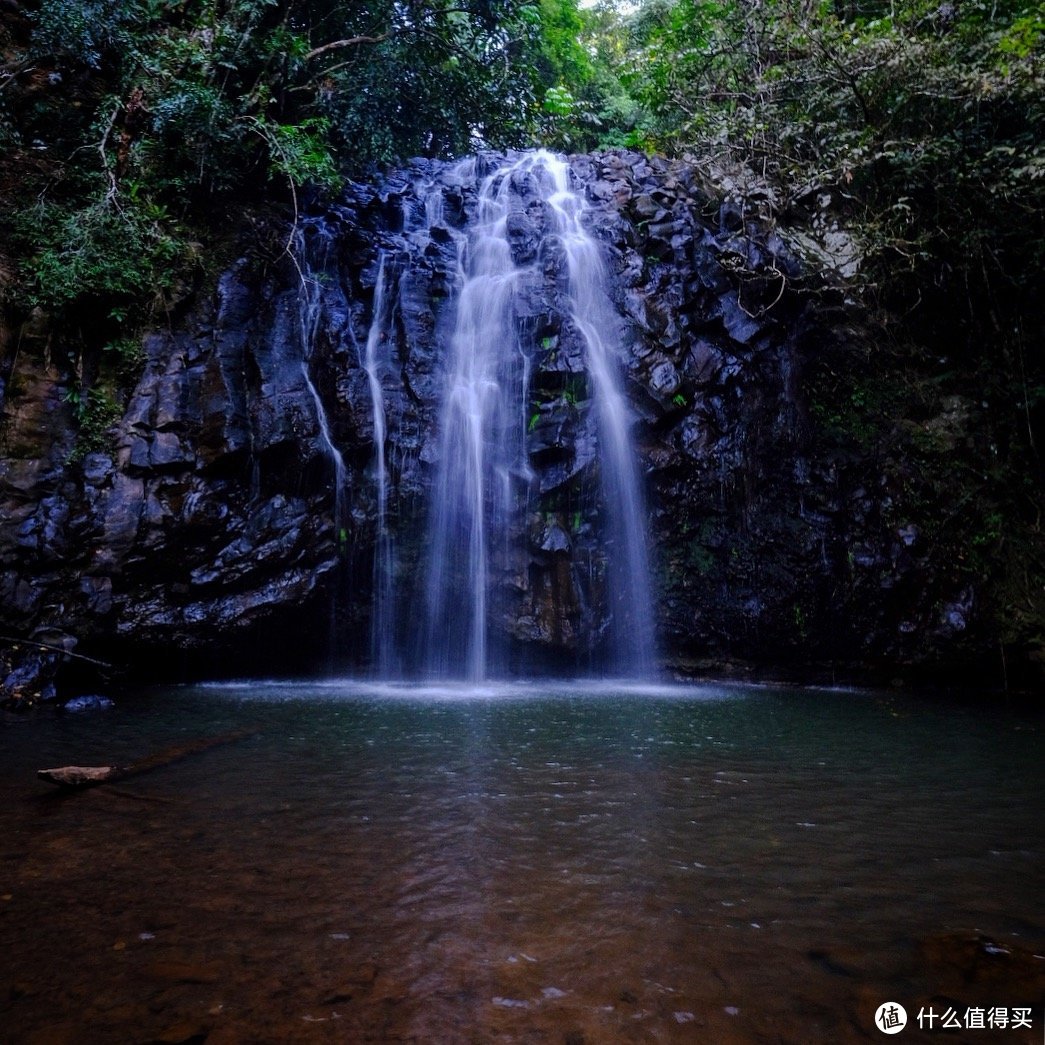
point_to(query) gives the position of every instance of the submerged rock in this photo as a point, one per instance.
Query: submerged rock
(87, 702)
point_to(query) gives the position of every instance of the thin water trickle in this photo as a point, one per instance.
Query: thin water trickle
(383, 621)
(312, 256)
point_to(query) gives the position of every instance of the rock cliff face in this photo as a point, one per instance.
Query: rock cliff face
(211, 522)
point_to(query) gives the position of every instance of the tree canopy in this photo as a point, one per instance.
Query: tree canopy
(123, 120)
(916, 125)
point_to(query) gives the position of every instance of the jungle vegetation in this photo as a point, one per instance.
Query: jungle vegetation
(900, 140)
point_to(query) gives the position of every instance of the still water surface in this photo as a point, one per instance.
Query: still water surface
(548, 863)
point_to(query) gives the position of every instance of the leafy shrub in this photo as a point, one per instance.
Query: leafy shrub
(96, 411)
(103, 251)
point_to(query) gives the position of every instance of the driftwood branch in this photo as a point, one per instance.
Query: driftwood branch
(90, 776)
(82, 776)
(54, 649)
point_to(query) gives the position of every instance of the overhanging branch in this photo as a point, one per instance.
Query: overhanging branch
(337, 45)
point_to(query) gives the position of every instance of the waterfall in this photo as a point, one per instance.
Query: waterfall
(484, 477)
(311, 257)
(487, 439)
(481, 443)
(382, 630)
(591, 312)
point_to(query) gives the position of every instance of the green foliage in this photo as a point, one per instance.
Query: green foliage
(1022, 39)
(158, 115)
(919, 126)
(559, 102)
(102, 251)
(698, 558)
(96, 411)
(577, 74)
(125, 357)
(299, 152)
(90, 30)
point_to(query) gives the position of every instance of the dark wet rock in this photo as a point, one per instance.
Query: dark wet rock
(741, 324)
(552, 537)
(214, 515)
(27, 677)
(664, 379)
(87, 702)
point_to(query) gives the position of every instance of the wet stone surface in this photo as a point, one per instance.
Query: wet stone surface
(214, 515)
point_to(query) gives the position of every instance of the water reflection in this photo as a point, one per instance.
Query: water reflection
(591, 863)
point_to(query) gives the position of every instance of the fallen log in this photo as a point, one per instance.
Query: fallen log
(90, 776)
(81, 776)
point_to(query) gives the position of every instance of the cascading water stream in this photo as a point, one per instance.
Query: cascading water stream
(382, 634)
(480, 444)
(311, 259)
(592, 313)
(484, 476)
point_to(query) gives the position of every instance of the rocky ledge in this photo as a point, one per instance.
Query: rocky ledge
(207, 532)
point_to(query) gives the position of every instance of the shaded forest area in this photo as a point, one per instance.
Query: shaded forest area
(899, 144)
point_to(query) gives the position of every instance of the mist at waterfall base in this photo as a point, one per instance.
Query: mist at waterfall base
(521, 862)
(440, 615)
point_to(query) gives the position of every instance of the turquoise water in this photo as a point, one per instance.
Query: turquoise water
(548, 862)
